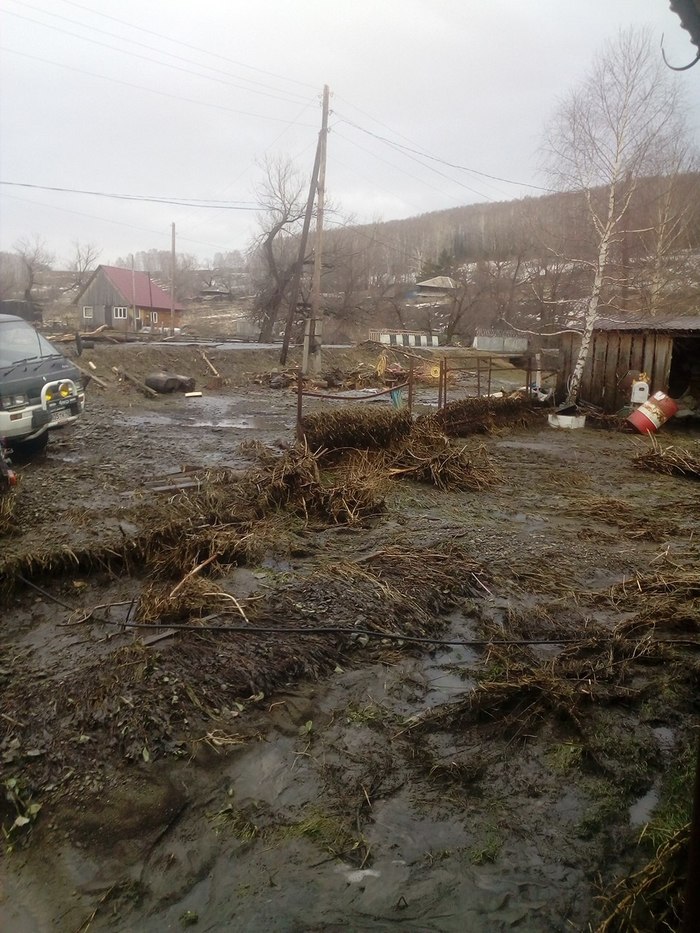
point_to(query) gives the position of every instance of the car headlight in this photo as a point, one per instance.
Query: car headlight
(50, 394)
(65, 389)
(13, 401)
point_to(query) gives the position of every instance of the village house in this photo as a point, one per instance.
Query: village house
(125, 300)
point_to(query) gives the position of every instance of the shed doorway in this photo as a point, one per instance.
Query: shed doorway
(684, 376)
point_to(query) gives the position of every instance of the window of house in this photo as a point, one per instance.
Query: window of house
(154, 317)
(120, 313)
(138, 314)
(87, 312)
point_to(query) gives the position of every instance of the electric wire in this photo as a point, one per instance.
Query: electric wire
(118, 223)
(188, 45)
(150, 90)
(434, 158)
(195, 203)
(153, 48)
(263, 630)
(151, 60)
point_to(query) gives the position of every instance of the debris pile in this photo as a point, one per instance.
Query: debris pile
(674, 461)
(356, 428)
(486, 415)
(428, 457)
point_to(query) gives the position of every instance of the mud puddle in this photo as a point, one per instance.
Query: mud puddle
(329, 819)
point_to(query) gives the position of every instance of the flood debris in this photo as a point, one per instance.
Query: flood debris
(671, 460)
(485, 415)
(356, 428)
(428, 457)
(633, 523)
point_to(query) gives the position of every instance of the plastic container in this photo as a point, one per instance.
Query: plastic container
(567, 421)
(649, 417)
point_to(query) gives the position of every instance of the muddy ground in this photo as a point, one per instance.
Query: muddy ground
(359, 784)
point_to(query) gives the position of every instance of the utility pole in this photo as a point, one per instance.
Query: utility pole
(133, 292)
(172, 283)
(294, 292)
(312, 336)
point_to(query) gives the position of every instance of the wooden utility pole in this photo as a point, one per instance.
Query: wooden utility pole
(312, 336)
(296, 281)
(172, 283)
(133, 292)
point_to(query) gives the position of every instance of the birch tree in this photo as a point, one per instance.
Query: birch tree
(603, 138)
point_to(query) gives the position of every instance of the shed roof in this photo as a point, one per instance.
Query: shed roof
(440, 281)
(136, 288)
(681, 322)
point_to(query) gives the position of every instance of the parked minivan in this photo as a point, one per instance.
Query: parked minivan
(40, 388)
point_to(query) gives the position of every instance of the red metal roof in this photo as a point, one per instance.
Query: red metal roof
(138, 288)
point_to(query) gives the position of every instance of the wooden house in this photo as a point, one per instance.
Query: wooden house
(125, 300)
(666, 348)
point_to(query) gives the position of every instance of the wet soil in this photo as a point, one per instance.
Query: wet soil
(369, 797)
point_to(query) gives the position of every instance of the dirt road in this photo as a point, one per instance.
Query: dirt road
(360, 783)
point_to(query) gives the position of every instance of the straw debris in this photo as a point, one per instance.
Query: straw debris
(671, 460)
(358, 428)
(428, 457)
(486, 415)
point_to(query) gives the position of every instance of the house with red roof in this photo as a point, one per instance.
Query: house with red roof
(125, 300)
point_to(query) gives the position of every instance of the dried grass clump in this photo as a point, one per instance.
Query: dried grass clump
(188, 601)
(295, 483)
(8, 501)
(625, 516)
(395, 589)
(673, 461)
(651, 898)
(428, 457)
(359, 428)
(485, 415)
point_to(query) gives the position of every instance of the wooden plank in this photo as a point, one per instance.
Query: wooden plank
(637, 354)
(610, 372)
(592, 387)
(648, 359)
(624, 369)
(662, 362)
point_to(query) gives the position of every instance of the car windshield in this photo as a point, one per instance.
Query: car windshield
(19, 341)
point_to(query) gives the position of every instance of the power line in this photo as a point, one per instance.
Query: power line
(109, 220)
(397, 168)
(433, 158)
(150, 59)
(151, 48)
(188, 45)
(195, 203)
(150, 90)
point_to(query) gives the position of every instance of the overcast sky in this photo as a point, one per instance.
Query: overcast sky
(182, 99)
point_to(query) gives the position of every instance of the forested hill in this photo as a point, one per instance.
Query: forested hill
(527, 227)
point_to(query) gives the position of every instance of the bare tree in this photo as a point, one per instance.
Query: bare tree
(84, 261)
(35, 258)
(605, 135)
(273, 253)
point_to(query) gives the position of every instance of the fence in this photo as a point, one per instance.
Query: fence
(482, 368)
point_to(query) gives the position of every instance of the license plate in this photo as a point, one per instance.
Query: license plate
(61, 414)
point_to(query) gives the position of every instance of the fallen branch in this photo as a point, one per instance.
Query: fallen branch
(142, 387)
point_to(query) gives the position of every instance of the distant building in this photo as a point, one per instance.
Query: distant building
(124, 300)
(439, 288)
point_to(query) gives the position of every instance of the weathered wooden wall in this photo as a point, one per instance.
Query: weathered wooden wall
(613, 356)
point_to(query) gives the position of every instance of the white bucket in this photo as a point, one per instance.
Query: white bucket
(567, 421)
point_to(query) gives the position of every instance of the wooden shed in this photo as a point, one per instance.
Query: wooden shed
(667, 349)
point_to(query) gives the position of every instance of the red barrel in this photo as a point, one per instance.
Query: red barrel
(653, 413)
